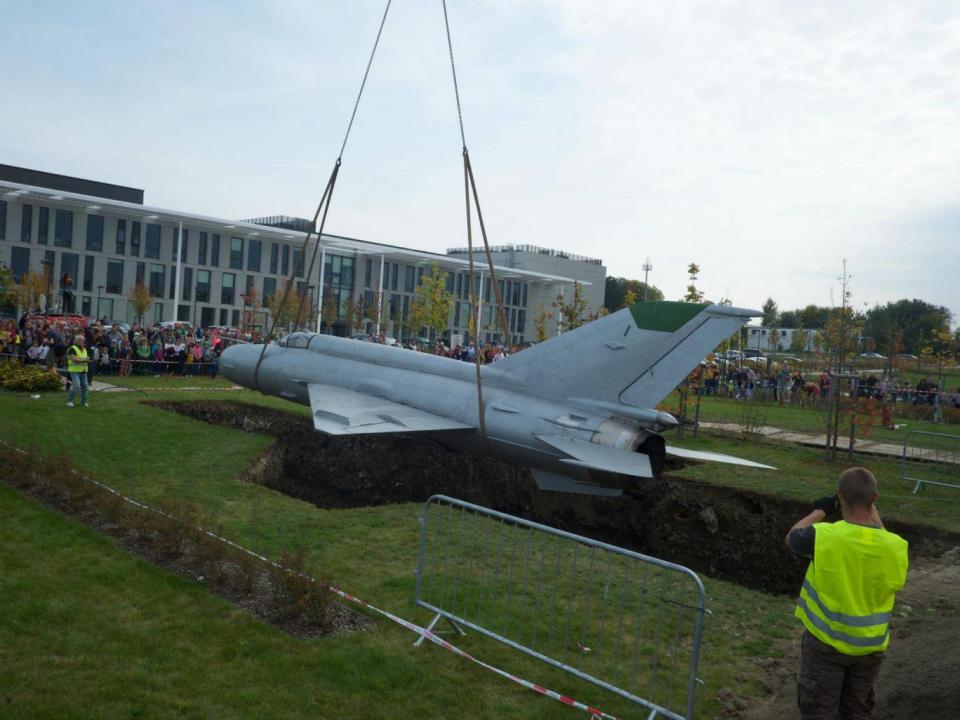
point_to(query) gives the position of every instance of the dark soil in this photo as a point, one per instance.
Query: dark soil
(721, 532)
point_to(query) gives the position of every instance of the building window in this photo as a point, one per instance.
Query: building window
(157, 312)
(215, 250)
(3, 219)
(367, 272)
(253, 255)
(203, 286)
(236, 318)
(88, 273)
(105, 307)
(285, 263)
(187, 284)
(95, 233)
(85, 307)
(49, 258)
(135, 238)
(114, 285)
(408, 278)
(207, 316)
(19, 262)
(63, 229)
(184, 242)
(141, 273)
(173, 284)
(523, 301)
(43, 225)
(202, 249)
(157, 273)
(26, 223)
(395, 277)
(223, 317)
(227, 281)
(152, 247)
(297, 262)
(236, 253)
(274, 257)
(121, 237)
(269, 288)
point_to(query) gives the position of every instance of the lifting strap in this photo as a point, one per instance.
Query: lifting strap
(470, 192)
(323, 206)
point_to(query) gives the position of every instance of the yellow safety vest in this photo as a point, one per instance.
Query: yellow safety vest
(847, 596)
(76, 367)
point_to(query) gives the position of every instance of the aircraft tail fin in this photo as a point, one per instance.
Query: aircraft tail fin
(634, 356)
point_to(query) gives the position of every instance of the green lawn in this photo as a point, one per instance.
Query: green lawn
(207, 659)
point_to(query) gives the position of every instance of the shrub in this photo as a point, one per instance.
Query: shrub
(28, 378)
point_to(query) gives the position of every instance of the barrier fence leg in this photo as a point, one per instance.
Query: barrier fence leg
(433, 624)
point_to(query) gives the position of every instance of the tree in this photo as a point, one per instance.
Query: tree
(285, 311)
(6, 286)
(916, 319)
(357, 314)
(773, 340)
(799, 341)
(251, 301)
(629, 298)
(571, 314)
(432, 302)
(141, 299)
(693, 294)
(540, 322)
(771, 314)
(616, 288)
(27, 292)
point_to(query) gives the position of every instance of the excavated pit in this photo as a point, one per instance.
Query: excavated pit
(721, 532)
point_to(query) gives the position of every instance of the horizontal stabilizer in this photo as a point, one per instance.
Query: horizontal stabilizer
(599, 457)
(714, 457)
(344, 412)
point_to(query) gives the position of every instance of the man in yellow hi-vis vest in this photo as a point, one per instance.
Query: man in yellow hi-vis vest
(846, 601)
(77, 360)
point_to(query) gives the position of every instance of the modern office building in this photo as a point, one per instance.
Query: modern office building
(108, 241)
(588, 272)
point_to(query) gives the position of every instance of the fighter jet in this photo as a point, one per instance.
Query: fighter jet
(578, 409)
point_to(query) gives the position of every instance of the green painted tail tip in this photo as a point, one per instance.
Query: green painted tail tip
(664, 316)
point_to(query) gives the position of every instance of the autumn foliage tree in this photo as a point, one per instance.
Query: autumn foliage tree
(432, 302)
(284, 311)
(693, 294)
(571, 313)
(141, 299)
(27, 292)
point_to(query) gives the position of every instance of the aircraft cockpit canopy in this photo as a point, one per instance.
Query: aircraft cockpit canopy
(296, 340)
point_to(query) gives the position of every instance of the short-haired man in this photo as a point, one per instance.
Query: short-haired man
(77, 361)
(846, 601)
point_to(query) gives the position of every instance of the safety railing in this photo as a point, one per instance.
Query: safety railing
(627, 622)
(930, 459)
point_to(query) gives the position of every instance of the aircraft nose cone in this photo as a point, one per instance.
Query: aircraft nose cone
(238, 362)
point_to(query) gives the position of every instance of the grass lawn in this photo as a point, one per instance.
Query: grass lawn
(90, 631)
(801, 419)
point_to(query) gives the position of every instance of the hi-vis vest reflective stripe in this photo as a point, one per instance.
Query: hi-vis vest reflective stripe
(847, 596)
(75, 366)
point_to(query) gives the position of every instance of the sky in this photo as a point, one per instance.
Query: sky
(767, 142)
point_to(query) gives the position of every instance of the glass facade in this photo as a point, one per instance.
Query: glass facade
(26, 223)
(215, 250)
(3, 219)
(151, 248)
(70, 264)
(227, 282)
(203, 286)
(135, 238)
(19, 262)
(88, 262)
(94, 233)
(63, 229)
(187, 284)
(253, 256)
(274, 257)
(269, 288)
(114, 284)
(121, 237)
(202, 249)
(236, 253)
(43, 225)
(157, 274)
(184, 244)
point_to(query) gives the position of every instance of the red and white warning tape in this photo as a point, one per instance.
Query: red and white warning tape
(595, 714)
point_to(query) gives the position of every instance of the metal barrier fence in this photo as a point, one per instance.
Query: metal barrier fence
(930, 459)
(629, 623)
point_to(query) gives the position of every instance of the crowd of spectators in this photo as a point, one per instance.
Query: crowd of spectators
(790, 386)
(115, 349)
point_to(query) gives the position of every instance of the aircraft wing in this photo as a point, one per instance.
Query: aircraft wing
(598, 457)
(337, 411)
(714, 457)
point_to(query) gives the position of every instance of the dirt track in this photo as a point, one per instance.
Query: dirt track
(720, 532)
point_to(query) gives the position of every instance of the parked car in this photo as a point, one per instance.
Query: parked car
(871, 356)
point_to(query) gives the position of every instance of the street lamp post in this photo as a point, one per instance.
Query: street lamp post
(647, 267)
(196, 289)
